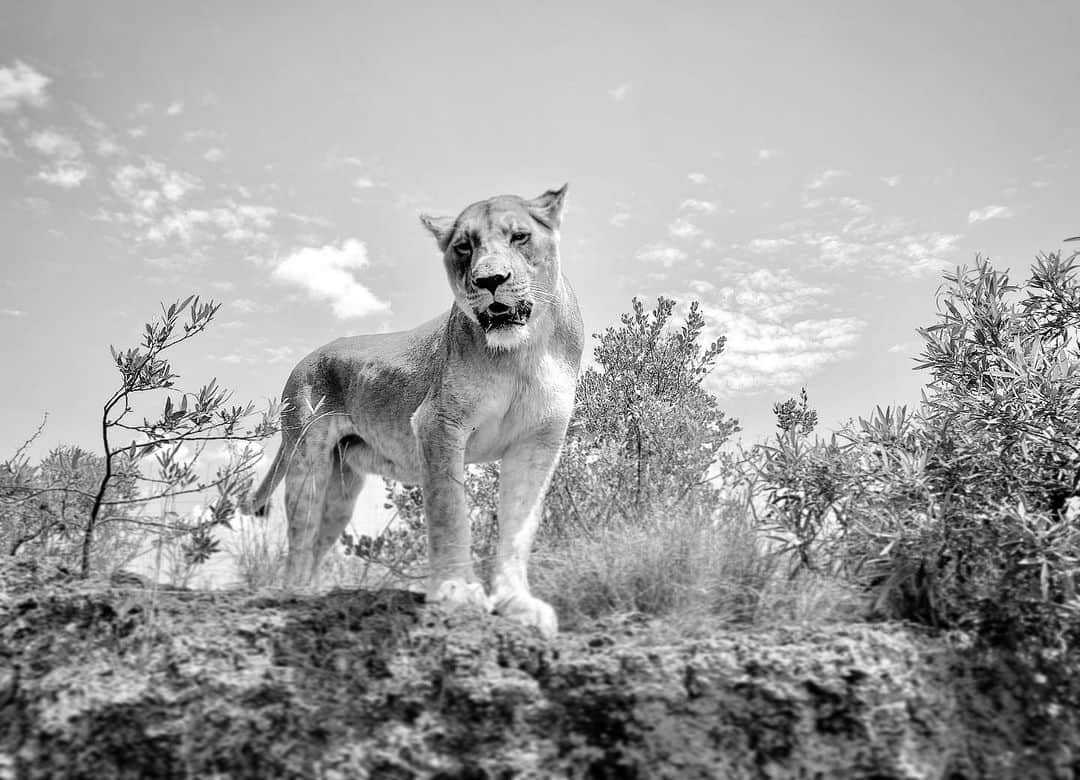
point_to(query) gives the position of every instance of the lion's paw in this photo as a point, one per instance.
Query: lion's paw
(529, 611)
(458, 593)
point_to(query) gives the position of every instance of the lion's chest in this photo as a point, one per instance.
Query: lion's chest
(520, 407)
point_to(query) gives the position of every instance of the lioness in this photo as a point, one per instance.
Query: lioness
(492, 379)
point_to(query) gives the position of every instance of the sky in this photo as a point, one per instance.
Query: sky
(805, 170)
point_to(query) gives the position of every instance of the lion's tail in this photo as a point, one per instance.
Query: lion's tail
(260, 500)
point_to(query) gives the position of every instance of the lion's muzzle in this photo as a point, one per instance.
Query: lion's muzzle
(499, 315)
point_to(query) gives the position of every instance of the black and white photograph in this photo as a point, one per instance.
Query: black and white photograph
(539, 390)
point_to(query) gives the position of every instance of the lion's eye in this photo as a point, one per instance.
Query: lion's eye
(519, 238)
(463, 247)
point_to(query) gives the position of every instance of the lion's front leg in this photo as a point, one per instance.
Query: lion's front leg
(442, 462)
(523, 480)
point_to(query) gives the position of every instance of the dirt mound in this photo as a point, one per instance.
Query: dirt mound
(98, 680)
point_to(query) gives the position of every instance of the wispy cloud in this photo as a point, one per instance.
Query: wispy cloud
(683, 228)
(776, 338)
(823, 178)
(214, 154)
(778, 356)
(699, 206)
(620, 92)
(6, 149)
(363, 183)
(662, 254)
(248, 306)
(148, 185)
(175, 108)
(12, 312)
(621, 215)
(67, 168)
(767, 154)
(891, 181)
(107, 147)
(327, 273)
(21, 84)
(765, 245)
(697, 178)
(67, 175)
(989, 212)
(53, 143)
(845, 233)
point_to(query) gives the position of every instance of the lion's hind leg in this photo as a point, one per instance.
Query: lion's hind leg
(308, 468)
(342, 489)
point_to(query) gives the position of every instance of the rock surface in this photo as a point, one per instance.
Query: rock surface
(98, 680)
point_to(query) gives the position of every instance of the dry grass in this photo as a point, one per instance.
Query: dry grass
(689, 567)
(258, 549)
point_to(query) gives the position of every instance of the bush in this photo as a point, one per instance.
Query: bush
(965, 514)
(44, 508)
(645, 437)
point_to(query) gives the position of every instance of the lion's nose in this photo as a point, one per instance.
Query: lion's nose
(490, 283)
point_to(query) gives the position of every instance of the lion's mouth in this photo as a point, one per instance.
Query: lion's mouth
(499, 315)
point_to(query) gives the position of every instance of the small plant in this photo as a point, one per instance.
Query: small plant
(174, 438)
(258, 551)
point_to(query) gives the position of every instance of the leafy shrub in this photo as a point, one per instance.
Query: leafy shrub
(645, 437)
(966, 514)
(44, 508)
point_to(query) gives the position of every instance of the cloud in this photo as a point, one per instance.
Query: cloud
(145, 187)
(700, 206)
(248, 306)
(764, 245)
(683, 228)
(767, 154)
(12, 312)
(214, 154)
(775, 335)
(246, 222)
(327, 274)
(892, 181)
(904, 348)
(53, 143)
(845, 233)
(663, 254)
(363, 183)
(6, 149)
(989, 212)
(107, 147)
(824, 178)
(68, 169)
(160, 208)
(883, 247)
(175, 108)
(621, 215)
(67, 175)
(21, 84)
(620, 93)
(697, 178)
(179, 224)
(777, 356)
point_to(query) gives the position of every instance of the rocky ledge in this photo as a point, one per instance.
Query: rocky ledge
(103, 680)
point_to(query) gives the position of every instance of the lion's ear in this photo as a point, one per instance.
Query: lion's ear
(440, 227)
(548, 208)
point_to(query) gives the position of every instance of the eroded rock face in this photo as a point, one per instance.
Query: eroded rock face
(102, 681)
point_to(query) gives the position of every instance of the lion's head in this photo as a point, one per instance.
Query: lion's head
(502, 260)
